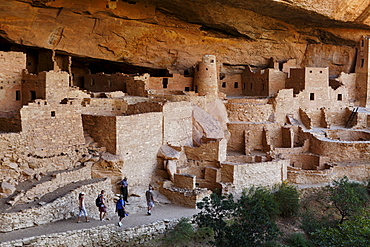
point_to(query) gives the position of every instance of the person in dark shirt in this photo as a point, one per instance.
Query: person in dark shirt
(124, 188)
(149, 199)
(120, 209)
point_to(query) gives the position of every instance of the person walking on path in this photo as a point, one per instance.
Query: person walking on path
(102, 206)
(149, 199)
(81, 207)
(124, 188)
(120, 209)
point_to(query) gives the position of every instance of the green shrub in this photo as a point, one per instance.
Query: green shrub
(287, 198)
(181, 234)
(355, 232)
(312, 221)
(297, 240)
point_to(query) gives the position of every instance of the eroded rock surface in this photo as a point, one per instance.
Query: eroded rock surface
(175, 34)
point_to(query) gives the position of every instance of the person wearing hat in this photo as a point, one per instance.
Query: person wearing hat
(120, 209)
(81, 207)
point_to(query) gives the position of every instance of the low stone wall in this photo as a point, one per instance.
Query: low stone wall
(357, 172)
(62, 208)
(58, 181)
(244, 175)
(339, 151)
(108, 235)
(184, 197)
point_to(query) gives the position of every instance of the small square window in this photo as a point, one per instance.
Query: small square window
(52, 114)
(223, 84)
(340, 97)
(164, 82)
(33, 95)
(17, 95)
(312, 96)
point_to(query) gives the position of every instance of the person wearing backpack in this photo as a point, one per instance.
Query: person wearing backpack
(100, 203)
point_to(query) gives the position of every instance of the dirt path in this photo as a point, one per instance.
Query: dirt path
(162, 212)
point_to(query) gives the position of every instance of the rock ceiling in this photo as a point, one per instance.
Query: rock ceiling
(174, 34)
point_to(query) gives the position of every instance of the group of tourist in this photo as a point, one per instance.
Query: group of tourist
(120, 204)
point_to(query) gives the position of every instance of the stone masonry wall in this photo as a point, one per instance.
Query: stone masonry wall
(260, 111)
(12, 64)
(59, 180)
(138, 85)
(177, 122)
(276, 81)
(231, 84)
(358, 172)
(340, 150)
(104, 106)
(57, 83)
(52, 127)
(62, 208)
(257, 174)
(176, 83)
(249, 136)
(106, 82)
(139, 138)
(103, 130)
(210, 151)
(18, 162)
(33, 87)
(107, 235)
(144, 107)
(11, 124)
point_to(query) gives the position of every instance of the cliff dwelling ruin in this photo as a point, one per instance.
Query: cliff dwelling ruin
(188, 124)
(188, 133)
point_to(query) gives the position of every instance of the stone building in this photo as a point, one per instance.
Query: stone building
(265, 82)
(362, 72)
(51, 86)
(12, 64)
(231, 84)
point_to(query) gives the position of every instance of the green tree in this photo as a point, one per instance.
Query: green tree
(339, 217)
(348, 198)
(250, 221)
(216, 214)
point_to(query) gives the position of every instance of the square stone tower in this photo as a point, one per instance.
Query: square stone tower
(362, 72)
